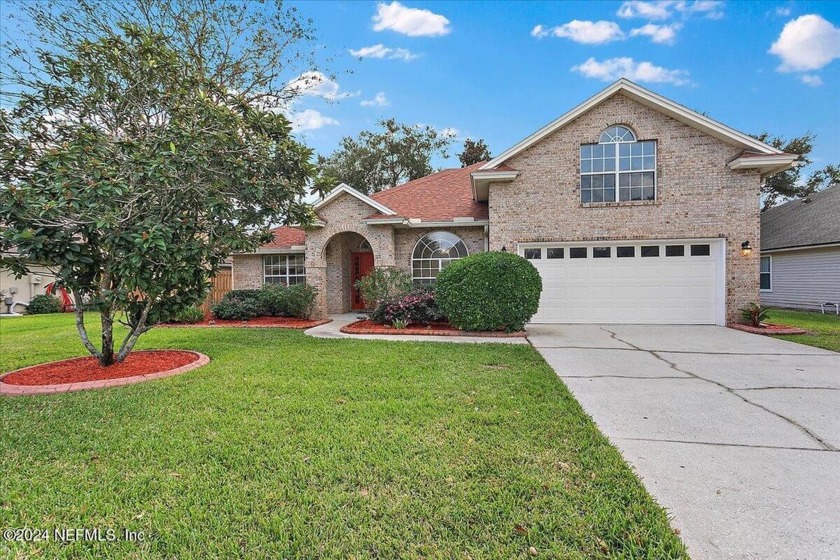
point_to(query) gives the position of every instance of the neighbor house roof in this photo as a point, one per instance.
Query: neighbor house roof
(805, 222)
(439, 197)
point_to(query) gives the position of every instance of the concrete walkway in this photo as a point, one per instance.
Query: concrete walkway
(333, 330)
(736, 435)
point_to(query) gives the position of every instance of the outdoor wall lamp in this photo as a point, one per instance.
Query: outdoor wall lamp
(504, 249)
(746, 249)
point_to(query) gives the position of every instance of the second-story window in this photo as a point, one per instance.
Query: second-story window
(618, 168)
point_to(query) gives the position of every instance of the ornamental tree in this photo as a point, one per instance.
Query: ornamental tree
(136, 174)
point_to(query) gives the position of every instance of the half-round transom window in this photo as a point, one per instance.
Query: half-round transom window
(433, 253)
(617, 134)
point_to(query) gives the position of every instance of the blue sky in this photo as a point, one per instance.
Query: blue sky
(485, 70)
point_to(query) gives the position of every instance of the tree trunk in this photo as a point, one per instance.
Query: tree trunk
(107, 356)
(140, 328)
(80, 326)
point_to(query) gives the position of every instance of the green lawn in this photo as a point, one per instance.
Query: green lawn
(286, 446)
(823, 330)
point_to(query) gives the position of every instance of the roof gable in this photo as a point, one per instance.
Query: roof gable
(344, 188)
(650, 99)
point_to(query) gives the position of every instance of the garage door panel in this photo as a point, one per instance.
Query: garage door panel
(655, 290)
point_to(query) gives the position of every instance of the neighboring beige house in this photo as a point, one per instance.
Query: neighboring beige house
(633, 208)
(26, 287)
(800, 253)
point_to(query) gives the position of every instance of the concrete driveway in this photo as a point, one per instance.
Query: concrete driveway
(736, 435)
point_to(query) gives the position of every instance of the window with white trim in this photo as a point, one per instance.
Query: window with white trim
(618, 168)
(433, 253)
(765, 277)
(284, 269)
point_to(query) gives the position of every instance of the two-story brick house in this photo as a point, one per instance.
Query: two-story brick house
(633, 208)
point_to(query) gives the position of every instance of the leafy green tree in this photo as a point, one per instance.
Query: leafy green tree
(381, 159)
(136, 174)
(253, 48)
(790, 183)
(474, 152)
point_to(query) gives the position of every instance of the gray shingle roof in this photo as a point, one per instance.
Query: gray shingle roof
(814, 220)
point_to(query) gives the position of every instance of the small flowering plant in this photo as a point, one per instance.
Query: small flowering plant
(417, 307)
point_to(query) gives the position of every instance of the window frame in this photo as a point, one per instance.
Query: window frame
(283, 262)
(414, 258)
(617, 172)
(769, 273)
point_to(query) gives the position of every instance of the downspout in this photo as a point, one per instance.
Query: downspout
(487, 237)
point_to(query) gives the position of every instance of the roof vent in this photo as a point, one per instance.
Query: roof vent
(806, 200)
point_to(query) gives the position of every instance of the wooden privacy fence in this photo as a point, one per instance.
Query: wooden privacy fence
(221, 286)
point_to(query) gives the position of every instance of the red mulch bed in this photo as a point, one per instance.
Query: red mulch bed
(276, 322)
(367, 326)
(768, 329)
(77, 370)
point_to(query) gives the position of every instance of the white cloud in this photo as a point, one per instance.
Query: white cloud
(711, 9)
(807, 43)
(413, 22)
(664, 9)
(310, 119)
(811, 80)
(649, 10)
(783, 11)
(586, 32)
(666, 34)
(625, 67)
(379, 100)
(381, 51)
(317, 84)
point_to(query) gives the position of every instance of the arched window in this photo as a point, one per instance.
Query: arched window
(618, 168)
(433, 253)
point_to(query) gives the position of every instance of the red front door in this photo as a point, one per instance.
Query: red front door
(360, 265)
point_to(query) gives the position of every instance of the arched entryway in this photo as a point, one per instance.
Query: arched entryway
(349, 257)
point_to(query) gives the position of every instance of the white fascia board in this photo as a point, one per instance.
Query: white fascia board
(484, 178)
(384, 221)
(453, 223)
(769, 160)
(645, 97)
(344, 188)
(493, 175)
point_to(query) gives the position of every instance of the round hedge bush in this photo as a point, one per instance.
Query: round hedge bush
(489, 291)
(44, 303)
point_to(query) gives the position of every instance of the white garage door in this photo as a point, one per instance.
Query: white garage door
(645, 282)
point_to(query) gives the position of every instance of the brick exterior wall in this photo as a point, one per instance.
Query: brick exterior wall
(328, 246)
(247, 272)
(697, 195)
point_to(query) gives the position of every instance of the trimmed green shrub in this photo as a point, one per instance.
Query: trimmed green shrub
(299, 301)
(417, 307)
(237, 306)
(384, 284)
(489, 291)
(42, 304)
(189, 315)
(272, 300)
